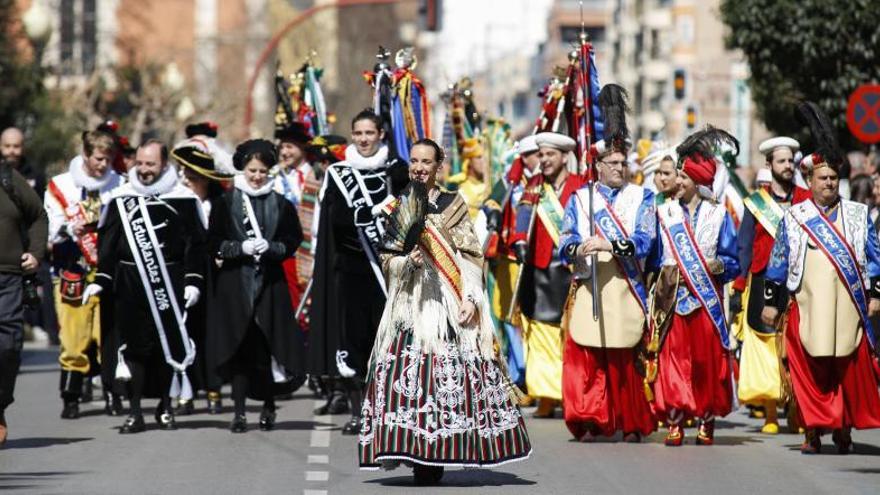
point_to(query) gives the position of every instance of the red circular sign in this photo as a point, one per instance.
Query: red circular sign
(863, 113)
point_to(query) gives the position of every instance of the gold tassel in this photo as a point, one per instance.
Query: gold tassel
(650, 371)
(649, 394)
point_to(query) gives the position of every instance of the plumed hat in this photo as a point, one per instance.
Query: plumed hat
(612, 102)
(294, 133)
(329, 147)
(827, 152)
(206, 128)
(194, 155)
(697, 154)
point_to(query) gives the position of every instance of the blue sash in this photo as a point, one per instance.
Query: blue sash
(823, 233)
(611, 228)
(695, 271)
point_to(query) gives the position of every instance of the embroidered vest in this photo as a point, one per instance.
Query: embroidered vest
(855, 231)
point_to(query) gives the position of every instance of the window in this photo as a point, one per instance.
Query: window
(79, 42)
(520, 105)
(89, 36)
(66, 45)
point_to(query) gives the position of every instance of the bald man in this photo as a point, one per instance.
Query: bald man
(12, 150)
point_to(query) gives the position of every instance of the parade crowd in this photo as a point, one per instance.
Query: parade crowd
(633, 292)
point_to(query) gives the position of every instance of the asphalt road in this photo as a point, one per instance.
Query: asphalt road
(307, 455)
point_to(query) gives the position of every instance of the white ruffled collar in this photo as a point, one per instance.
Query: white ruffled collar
(164, 184)
(84, 180)
(242, 185)
(360, 162)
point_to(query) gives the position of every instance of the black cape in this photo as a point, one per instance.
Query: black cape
(182, 236)
(246, 295)
(346, 299)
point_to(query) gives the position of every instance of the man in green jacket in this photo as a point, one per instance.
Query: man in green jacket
(23, 228)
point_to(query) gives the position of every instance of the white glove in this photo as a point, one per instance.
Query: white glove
(248, 247)
(91, 290)
(191, 295)
(261, 246)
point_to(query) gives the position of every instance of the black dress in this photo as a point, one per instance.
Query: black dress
(251, 319)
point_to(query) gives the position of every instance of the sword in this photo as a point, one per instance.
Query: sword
(305, 297)
(513, 300)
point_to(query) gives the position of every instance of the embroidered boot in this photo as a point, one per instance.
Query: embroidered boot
(675, 436)
(706, 433)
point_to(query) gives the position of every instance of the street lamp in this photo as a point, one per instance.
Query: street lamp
(172, 79)
(37, 27)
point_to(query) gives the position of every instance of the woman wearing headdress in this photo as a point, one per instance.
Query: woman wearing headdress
(199, 173)
(254, 340)
(436, 396)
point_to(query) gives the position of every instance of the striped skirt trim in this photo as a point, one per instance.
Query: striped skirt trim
(447, 409)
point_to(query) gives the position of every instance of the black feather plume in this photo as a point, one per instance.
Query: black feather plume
(824, 135)
(707, 142)
(407, 221)
(612, 102)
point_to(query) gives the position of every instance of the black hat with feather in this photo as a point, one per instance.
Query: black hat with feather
(827, 151)
(612, 102)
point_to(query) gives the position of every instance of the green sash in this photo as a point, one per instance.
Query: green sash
(550, 212)
(765, 209)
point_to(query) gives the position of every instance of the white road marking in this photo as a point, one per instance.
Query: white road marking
(320, 438)
(319, 459)
(317, 475)
(314, 492)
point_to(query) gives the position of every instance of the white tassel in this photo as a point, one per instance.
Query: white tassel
(122, 373)
(186, 390)
(278, 373)
(344, 370)
(174, 391)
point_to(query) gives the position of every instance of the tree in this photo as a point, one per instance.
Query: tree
(24, 101)
(815, 50)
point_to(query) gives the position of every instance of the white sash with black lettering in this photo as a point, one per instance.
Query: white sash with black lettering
(355, 192)
(150, 262)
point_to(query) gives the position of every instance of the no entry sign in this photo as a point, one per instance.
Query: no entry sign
(863, 113)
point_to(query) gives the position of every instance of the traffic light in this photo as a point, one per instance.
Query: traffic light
(691, 117)
(678, 84)
(431, 13)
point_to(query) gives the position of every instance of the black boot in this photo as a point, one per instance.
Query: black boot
(267, 418)
(88, 392)
(215, 405)
(353, 427)
(184, 408)
(112, 404)
(427, 475)
(71, 410)
(133, 424)
(71, 389)
(165, 417)
(239, 424)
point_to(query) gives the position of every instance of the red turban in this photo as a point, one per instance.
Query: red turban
(700, 169)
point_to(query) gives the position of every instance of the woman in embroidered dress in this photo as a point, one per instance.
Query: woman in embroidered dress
(254, 340)
(436, 396)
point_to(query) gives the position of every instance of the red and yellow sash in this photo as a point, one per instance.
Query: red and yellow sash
(442, 258)
(87, 241)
